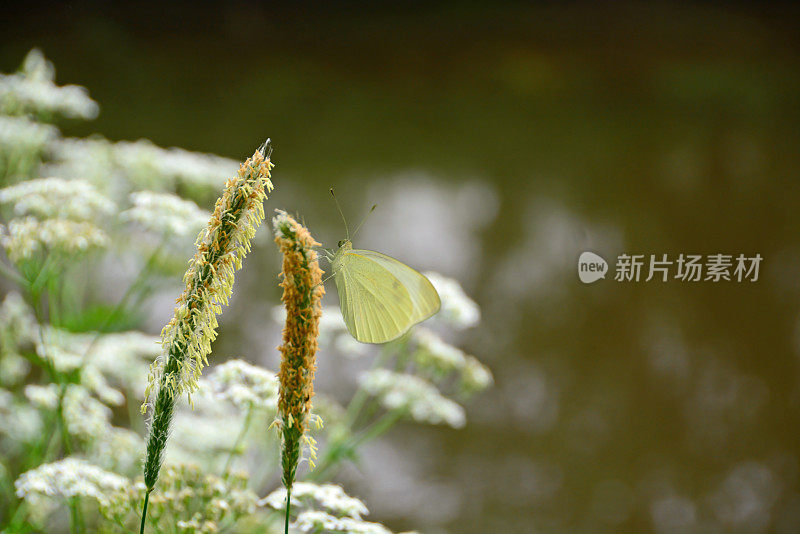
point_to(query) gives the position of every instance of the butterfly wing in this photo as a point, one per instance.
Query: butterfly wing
(423, 295)
(377, 305)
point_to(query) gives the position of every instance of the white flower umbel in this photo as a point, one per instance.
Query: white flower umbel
(32, 91)
(20, 423)
(13, 368)
(90, 159)
(119, 449)
(36, 67)
(17, 319)
(244, 385)
(17, 329)
(42, 396)
(27, 236)
(475, 376)
(348, 346)
(67, 355)
(325, 508)
(328, 496)
(106, 362)
(165, 214)
(418, 397)
(321, 522)
(433, 351)
(67, 478)
(331, 321)
(54, 345)
(49, 198)
(435, 354)
(86, 417)
(156, 168)
(23, 135)
(458, 310)
(124, 357)
(206, 433)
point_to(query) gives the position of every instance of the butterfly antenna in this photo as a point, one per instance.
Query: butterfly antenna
(364, 219)
(347, 231)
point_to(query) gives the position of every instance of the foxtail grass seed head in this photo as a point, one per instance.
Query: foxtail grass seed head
(302, 296)
(186, 340)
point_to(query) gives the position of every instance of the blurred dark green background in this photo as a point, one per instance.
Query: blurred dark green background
(500, 142)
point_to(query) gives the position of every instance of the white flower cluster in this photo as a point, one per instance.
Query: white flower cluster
(333, 330)
(13, 368)
(91, 159)
(205, 432)
(420, 398)
(27, 236)
(350, 347)
(54, 214)
(474, 375)
(152, 167)
(17, 319)
(86, 417)
(436, 354)
(433, 351)
(197, 525)
(458, 310)
(330, 323)
(320, 522)
(122, 357)
(19, 135)
(328, 496)
(140, 165)
(165, 214)
(340, 512)
(17, 328)
(243, 385)
(187, 500)
(119, 449)
(32, 91)
(36, 67)
(70, 477)
(50, 198)
(19, 423)
(42, 396)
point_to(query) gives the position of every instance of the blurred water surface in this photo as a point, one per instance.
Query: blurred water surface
(500, 143)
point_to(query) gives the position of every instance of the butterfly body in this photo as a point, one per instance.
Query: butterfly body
(380, 297)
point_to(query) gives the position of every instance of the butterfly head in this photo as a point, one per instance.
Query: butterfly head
(346, 244)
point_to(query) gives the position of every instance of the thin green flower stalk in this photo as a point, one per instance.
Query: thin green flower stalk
(302, 297)
(186, 340)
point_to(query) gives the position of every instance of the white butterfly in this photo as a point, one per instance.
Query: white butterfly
(380, 297)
